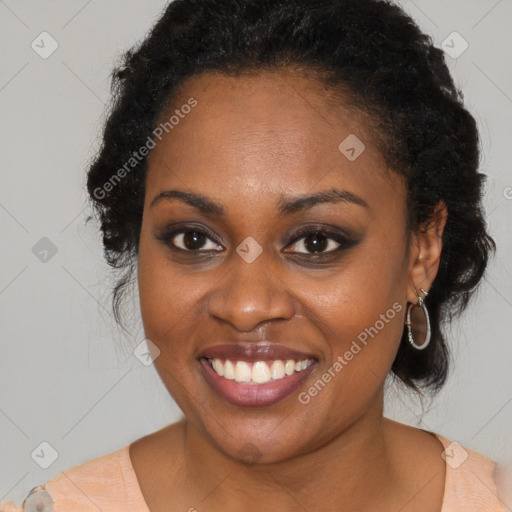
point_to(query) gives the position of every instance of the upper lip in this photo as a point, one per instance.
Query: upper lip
(254, 351)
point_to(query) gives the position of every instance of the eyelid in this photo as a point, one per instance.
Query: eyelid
(341, 237)
(202, 250)
(325, 229)
(166, 234)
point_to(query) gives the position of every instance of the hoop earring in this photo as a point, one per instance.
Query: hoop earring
(408, 323)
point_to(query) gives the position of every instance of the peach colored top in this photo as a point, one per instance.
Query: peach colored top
(108, 483)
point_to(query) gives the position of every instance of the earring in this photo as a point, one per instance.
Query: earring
(425, 331)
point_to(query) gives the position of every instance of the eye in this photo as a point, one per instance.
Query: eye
(315, 242)
(190, 240)
(318, 241)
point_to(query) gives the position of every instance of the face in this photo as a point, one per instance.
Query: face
(273, 266)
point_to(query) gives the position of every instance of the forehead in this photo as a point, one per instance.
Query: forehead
(278, 132)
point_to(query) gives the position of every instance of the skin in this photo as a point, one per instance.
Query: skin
(250, 141)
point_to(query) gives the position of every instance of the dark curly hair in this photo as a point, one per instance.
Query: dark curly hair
(368, 49)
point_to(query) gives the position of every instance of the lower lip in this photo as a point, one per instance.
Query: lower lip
(253, 395)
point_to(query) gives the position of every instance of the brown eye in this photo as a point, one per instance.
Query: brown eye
(318, 241)
(193, 241)
(190, 240)
(315, 242)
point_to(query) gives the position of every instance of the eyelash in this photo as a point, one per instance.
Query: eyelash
(345, 242)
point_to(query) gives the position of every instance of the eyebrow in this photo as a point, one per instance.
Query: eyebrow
(285, 206)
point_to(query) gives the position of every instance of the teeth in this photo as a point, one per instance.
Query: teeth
(258, 372)
(289, 367)
(229, 370)
(218, 367)
(242, 372)
(277, 370)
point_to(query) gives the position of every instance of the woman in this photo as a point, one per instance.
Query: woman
(295, 186)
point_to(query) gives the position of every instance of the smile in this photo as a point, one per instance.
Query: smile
(251, 375)
(258, 372)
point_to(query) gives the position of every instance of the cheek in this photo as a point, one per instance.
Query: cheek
(354, 296)
(169, 302)
(359, 311)
(166, 297)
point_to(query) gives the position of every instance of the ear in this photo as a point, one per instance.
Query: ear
(425, 253)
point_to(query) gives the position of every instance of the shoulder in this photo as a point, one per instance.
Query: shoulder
(470, 480)
(105, 483)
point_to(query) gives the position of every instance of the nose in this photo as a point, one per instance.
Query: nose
(251, 294)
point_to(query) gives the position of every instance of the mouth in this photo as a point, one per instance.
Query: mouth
(255, 375)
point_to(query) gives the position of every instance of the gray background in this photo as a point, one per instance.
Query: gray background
(68, 376)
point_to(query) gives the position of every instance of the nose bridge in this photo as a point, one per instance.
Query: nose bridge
(251, 292)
